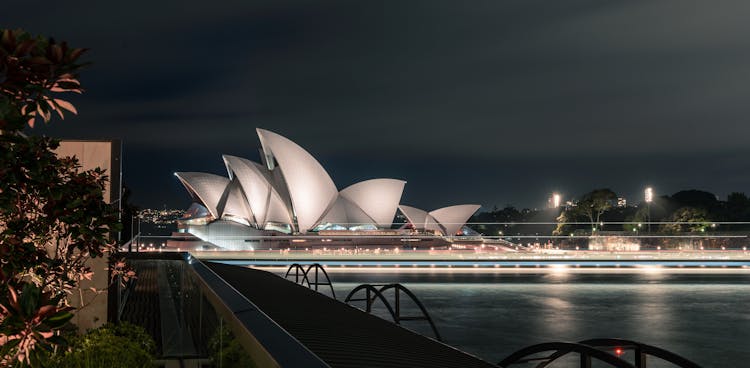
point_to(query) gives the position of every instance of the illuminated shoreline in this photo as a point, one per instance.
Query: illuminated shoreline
(509, 266)
(398, 254)
(333, 269)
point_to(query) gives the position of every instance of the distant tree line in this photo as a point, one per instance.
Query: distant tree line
(687, 211)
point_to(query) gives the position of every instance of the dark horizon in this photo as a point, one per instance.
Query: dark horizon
(497, 103)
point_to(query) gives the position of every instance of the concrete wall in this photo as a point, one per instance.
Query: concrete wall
(106, 155)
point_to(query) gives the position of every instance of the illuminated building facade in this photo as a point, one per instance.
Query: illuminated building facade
(289, 192)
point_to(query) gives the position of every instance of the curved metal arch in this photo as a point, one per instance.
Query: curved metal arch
(562, 348)
(395, 314)
(298, 269)
(316, 267)
(640, 349)
(301, 272)
(370, 299)
(416, 301)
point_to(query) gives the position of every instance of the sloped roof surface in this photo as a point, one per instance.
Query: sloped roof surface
(208, 188)
(454, 217)
(378, 198)
(310, 187)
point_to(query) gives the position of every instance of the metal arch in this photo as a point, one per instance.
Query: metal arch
(416, 301)
(562, 348)
(297, 268)
(396, 315)
(641, 350)
(318, 266)
(369, 299)
(301, 271)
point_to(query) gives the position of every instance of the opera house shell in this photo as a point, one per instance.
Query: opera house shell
(290, 193)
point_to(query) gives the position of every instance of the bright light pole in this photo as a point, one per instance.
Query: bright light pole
(649, 196)
(555, 200)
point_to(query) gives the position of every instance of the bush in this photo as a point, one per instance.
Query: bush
(227, 352)
(110, 346)
(53, 218)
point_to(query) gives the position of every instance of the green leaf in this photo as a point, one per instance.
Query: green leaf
(9, 346)
(29, 299)
(57, 340)
(58, 319)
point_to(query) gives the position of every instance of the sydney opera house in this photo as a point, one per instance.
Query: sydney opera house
(289, 198)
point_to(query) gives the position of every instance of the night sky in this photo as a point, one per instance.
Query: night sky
(490, 102)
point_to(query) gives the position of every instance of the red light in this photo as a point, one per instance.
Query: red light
(618, 351)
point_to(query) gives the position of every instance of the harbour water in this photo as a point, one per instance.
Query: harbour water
(703, 317)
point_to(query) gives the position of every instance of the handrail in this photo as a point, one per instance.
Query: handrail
(562, 348)
(641, 350)
(317, 267)
(591, 348)
(399, 288)
(297, 269)
(395, 314)
(370, 299)
(267, 342)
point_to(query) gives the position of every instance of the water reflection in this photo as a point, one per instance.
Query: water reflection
(492, 315)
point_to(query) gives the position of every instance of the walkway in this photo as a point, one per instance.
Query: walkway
(341, 335)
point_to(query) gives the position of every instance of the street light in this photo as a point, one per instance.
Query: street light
(555, 200)
(649, 196)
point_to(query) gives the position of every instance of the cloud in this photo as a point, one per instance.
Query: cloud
(528, 81)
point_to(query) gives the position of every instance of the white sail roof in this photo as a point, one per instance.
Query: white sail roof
(234, 204)
(264, 200)
(311, 189)
(454, 217)
(291, 187)
(336, 214)
(205, 187)
(378, 198)
(345, 213)
(355, 215)
(416, 217)
(447, 220)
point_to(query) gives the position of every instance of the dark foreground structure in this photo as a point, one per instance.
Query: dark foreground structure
(207, 314)
(203, 311)
(339, 334)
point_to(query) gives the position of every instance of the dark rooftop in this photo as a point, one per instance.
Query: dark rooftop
(341, 335)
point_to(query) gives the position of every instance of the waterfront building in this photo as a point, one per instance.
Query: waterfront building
(290, 193)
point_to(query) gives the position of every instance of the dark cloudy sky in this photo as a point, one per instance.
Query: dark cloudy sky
(491, 102)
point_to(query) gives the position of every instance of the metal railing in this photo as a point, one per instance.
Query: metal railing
(377, 291)
(264, 339)
(592, 348)
(301, 276)
(194, 309)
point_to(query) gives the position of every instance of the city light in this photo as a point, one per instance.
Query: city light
(555, 200)
(649, 197)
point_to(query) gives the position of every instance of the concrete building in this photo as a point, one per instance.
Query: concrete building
(104, 154)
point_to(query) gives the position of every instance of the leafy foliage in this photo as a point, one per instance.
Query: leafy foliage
(53, 218)
(226, 351)
(589, 208)
(111, 346)
(593, 204)
(687, 219)
(32, 71)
